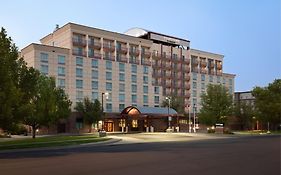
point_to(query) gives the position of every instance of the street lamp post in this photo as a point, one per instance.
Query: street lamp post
(102, 109)
(189, 119)
(194, 111)
(169, 118)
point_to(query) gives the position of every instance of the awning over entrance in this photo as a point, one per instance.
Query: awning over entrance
(132, 110)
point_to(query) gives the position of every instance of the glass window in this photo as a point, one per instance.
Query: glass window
(194, 93)
(145, 89)
(211, 78)
(108, 65)
(108, 75)
(95, 84)
(61, 83)
(61, 71)
(79, 72)
(202, 86)
(121, 97)
(194, 76)
(134, 68)
(108, 86)
(121, 77)
(121, 67)
(108, 107)
(79, 95)
(95, 74)
(202, 77)
(156, 90)
(121, 108)
(44, 69)
(145, 79)
(79, 61)
(109, 97)
(145, 99)
(121, 87)
(95, 96)
(134, 78)
(230, 81)
(145, 69)
(44, 57)
(194, 85)
(134, 88)
(61, 59)
(79, 84)
(134, 98)
(95, 63)
(156, 99)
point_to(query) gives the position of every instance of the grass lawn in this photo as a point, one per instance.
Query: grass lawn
(49, 141)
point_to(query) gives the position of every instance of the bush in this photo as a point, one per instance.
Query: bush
(211, 131)
(18, 130)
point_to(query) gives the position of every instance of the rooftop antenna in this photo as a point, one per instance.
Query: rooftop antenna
(57, 27)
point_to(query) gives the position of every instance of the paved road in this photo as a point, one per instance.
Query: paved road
(244, 155)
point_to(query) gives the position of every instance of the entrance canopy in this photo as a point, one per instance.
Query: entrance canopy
(132, 110)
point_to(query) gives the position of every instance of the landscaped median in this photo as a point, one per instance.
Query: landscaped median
(50, 141)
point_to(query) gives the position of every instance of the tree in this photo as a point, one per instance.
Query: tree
(90, 111)
(217, 104)
(46, 105)
(9, 93)
(245, 113)
(268, 102)
(176, 103)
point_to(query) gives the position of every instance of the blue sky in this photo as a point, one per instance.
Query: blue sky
(247, 32)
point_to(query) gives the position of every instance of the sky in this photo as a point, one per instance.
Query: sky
(246, 32)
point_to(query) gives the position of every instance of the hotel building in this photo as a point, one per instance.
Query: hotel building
(137, 69)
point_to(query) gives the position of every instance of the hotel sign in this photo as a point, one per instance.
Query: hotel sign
(169, 40)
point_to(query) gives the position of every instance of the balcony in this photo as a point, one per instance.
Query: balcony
(211, 72)
(187, 78)
(167, 58)
(169, 85)
(109, 57)
(211, 64)
(157, 74)
(186, 61)
(187, 86)
(122, 49)
(94, 55)
(187, 95)
(79, 53)
(146, 54)
(156, 55)
(79, 42)
(109, 47)
(194, 69)
(94, 44)
(194, 62)
(123, 59)
(219, 66)
(134, 61)
(203, 63)
(134, 52)
(219, 73)
(146, 62)
(156, 66)
(203, 71)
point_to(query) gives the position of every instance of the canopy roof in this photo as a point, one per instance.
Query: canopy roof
(132, 110)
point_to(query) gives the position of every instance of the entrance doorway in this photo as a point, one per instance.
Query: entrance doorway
(108, 126)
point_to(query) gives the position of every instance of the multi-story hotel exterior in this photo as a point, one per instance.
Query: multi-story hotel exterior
(138, 68)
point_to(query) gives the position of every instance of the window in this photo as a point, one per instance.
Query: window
(134, 88)
(230, 81)
(134, 68)
(194, 93)
(121, 87)
(44, 57)
(156, 90)
(134, 123)
(79, 61)
(145, 69)
(79, 95)
(79, 72)
(121, 97)
(145, 79)
(194, 85)
(134, 98)
(121, 67)
(218, 79)
(203, 86)
(61, 71)
(79, 84)
(108, 107)
(61, 83)
(108, 86)
(108, 65)
(194, 76)
(202, 77)
(95, 63)
(95, 85)
(109, 97)
(108, 75)
(156, 99)
(95, 96)
(44, 69)
(134, 78)
(61, 59)
(145, 99)
(121, 77)
(210, 78)
(121, 107)
(145, 89)
(95, 74)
